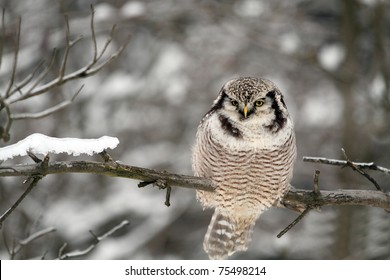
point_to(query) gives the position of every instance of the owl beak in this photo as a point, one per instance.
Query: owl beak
(245, 110)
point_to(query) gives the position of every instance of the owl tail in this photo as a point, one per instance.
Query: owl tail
(224, 236)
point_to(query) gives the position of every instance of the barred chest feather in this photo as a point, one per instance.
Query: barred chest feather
(251, 171)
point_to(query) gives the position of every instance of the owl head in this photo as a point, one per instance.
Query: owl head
(252, 100)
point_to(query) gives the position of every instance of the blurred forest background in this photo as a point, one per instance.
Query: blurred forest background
(331, 59)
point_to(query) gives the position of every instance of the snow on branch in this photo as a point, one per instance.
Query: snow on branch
(41, 144)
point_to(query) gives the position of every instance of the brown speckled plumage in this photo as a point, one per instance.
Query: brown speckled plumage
(248, 155)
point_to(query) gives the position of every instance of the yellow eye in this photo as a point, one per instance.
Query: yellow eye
(234, 102)
(259, 103)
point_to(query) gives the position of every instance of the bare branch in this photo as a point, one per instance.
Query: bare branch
(61, 250)
(2, 36)
(96, 69)
(69, 45)
(97, 239)
(308, 207)
(84, 72)
(48, 111)
(345, 197)
(32, 86)
(113, 230)
(16, 53)
(290, 226)
(337, 162)
(34, 157)
(293, 197)
(36, 235)
(18, 247)
(108, 42)
(360, 171)
(109, 169)
(106, 157)
(4, 130)
(168, 197)
(93, 34)
(316, 182)
(33, 183)
(38, 80)
(28, 78)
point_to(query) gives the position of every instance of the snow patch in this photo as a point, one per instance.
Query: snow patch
(104, 11)
(133, 9)
(289, 43)
(330, 57)
(41, 144)
(249, 8)
(378, 87)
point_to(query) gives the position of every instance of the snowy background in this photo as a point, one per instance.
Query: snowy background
(330, 59)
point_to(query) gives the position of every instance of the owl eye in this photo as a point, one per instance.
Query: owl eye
(234, 102)
(259, 103)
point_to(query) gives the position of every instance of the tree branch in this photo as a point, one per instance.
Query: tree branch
(22, 243)
(97, 239)
(34, 182)
(16, 55)
(109, 169)
(339, 197)
(47, 111)
(337, 162)
(300, 197)
(37, 83)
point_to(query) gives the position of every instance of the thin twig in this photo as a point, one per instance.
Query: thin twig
(34, 157)
(162, 185)
(67, 49)
(44, 254)
(93, 34)
(106, 157)
(360, 171)
(316, 182)
(293, 223)
(337, 162)
(61, 250)
(69, 45)
(6, 243)
(5, 129)
(168, 197)
(108, 42)
(17, 248)
(33, 183)
(15, 63)
(97, 239)
(316, 193)
(45, 72)
(28, 78)
(92, 71)
(2, 36)
(113, 230)
(48, 111)
(145, 183)
(36, 235)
